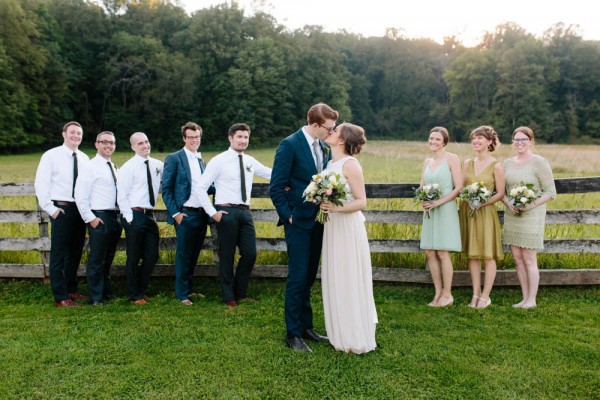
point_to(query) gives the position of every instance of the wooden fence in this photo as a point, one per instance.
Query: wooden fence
(380, 191)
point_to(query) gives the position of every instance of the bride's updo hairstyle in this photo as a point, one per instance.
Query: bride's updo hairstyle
(353, 137)
(489, 133)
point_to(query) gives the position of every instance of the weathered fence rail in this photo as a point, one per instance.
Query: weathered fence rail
(41, 243)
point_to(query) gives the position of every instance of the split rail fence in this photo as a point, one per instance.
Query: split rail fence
(41, 243)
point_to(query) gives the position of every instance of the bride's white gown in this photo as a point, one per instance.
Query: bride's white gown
(346, 279)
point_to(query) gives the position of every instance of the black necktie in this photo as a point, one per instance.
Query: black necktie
(74, 172)
(242, 179)
(201, 163)
(150, 188)
(112, 172)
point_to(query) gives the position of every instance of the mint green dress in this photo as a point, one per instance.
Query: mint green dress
(442, 230)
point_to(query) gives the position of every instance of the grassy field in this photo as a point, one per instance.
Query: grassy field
(168, 351)
(383, 162)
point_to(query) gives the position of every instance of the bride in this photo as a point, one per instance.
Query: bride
(350, 314)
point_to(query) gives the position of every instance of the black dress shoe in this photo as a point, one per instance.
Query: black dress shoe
(297, 344)
(310, 334)
(110, 297)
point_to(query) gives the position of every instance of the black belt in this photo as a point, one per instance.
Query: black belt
(114, 212)
(197, 209)
(64, 203)
(240, 206)
(143, 210)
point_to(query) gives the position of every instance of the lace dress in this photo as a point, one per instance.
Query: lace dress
(346, 278)
(527, 229)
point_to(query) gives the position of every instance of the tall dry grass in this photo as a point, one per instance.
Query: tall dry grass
(383, 162)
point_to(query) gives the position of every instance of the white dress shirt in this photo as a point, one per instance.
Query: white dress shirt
(95, 188)
(54, 176)
(224, 171)
(133, 185)
(193, 160)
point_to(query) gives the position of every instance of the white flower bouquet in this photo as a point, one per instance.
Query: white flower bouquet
(522, 194)
(428, 193)
(326, 186)
(475, 195)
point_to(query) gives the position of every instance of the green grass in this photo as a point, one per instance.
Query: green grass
(167, 351)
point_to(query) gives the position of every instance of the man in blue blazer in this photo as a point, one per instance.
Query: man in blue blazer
(181, 177)
(299, 157)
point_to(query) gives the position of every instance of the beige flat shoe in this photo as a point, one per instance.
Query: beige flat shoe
(483, 303)
(473, 305)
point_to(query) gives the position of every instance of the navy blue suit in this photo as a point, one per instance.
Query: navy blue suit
(176, 190)
(293, 169)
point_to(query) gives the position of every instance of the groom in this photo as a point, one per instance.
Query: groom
(299, 157)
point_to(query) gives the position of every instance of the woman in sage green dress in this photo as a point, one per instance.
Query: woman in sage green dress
(524, 226)
(480, 230)
(441, 231)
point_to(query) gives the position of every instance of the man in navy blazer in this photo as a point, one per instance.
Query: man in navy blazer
(180, 184)
(299, 157)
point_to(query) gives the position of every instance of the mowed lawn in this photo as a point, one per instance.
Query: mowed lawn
(167, 351)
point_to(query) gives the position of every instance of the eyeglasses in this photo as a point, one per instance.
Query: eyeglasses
(105, 142)
(193, 137)
(522, 140)
(328, 129)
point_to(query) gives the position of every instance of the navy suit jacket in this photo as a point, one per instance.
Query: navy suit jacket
(293, 169)
(177, 182)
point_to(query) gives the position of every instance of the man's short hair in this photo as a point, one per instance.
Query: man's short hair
(104, 133)
(240, 126)
(68, 124)
(191, 126)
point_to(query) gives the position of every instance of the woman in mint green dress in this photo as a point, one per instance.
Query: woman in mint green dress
(441, 232)
(524, 226)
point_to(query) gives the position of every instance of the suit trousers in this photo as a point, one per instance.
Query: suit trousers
(103, 240)
(190, 239)
(141, 236)
(304, 252)
(236, 229)
(66, 247)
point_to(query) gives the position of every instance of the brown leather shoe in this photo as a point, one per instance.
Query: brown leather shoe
(146, 298)
(77, 296)
(140, 301)
(66, 303)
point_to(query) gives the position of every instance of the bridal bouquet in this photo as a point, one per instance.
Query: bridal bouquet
(428, 193)
(522, 194)
(326, 186)
(474, 194)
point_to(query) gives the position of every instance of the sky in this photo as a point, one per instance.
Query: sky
(466, 19)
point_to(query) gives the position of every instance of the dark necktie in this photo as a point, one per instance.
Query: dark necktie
(318, 159)
(201, 163)
(150, 188)
(242, 179)
(112, 172)
(75, 172)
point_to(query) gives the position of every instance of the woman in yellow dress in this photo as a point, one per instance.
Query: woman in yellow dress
(480, 229)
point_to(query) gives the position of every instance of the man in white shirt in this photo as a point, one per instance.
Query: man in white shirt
(180, 192)
(137, 192)
(96, 198)
(55, 189)
(232, 173)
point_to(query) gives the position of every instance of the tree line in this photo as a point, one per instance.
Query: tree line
(146, 65)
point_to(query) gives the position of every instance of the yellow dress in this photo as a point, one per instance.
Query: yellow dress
(480, 234)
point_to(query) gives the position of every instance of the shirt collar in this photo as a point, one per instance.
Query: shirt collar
(192, 155)
(309, 138)
(232, 151)
(68, 150)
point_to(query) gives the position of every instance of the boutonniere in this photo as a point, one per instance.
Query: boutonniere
(157, 171)
(326, 150)
(249, 168)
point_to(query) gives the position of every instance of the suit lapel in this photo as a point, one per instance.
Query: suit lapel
(306, 150)
(186, 164)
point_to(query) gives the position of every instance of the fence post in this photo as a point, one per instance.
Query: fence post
(44, 233)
